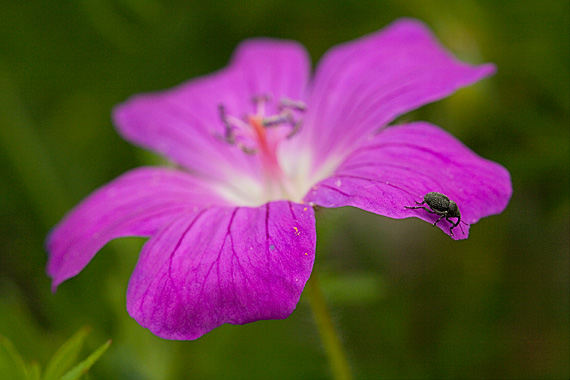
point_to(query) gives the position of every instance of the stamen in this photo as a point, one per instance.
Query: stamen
(260, 132)
(247, 150)
(259, 101)
(286, 103)
(237, 131)
(282, 118)
(228, 130)
(295, 130)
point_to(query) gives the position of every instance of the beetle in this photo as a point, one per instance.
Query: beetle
(440, 204)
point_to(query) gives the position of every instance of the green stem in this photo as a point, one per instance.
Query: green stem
(327, 331)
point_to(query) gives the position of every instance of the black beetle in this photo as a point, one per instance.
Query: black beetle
(440, 204)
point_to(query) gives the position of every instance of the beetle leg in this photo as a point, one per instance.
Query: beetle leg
(453, 225)
(424, 207)
(440, 218)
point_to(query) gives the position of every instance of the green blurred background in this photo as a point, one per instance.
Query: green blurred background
(410, 302)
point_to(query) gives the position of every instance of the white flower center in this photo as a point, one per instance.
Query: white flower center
(260, 135)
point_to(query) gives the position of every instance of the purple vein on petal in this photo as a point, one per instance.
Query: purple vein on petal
(171, 256)
(362, 85)
(228, 275)
(403, 163)
(378, 182)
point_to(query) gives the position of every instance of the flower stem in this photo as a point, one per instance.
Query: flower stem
(327, 331)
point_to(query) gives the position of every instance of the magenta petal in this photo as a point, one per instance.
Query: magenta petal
(223, 265)
(403, 163)
(364, 84)
(138, 203)
(184, 123)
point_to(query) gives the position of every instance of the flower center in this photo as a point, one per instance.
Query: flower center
(260, 134)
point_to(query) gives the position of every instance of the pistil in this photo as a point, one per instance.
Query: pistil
(267, 152)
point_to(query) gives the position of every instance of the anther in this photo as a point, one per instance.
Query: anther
(237, 131)
(247, 150)
(295, 130)
(286, 103)
(265, 98)
(228, 131)
(282, 118)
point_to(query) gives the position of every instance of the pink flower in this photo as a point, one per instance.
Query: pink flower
(232, 228)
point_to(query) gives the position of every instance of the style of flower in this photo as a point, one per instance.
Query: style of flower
(256, 145)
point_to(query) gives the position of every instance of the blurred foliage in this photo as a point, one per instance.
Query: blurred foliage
(411, 303)
(60, 367)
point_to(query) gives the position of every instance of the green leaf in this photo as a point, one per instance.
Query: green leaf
(12, 365)
(34, 371)
(66, 356)
(82, 368)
